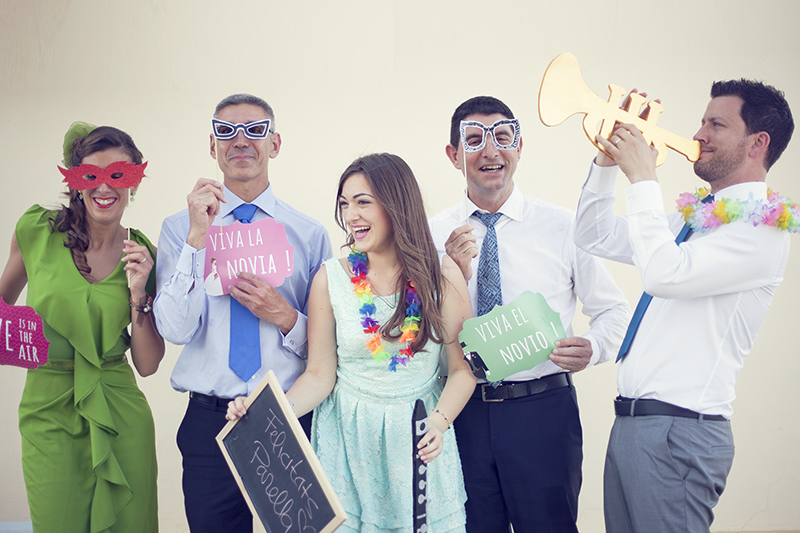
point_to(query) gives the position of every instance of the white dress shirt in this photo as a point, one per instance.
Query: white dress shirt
(537, 253)
(186, 315)
(711, 293)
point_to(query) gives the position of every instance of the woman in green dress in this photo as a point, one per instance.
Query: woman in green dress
(88, 440)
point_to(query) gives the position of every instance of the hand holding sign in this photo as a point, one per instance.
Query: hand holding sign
(511, 338)
(22, 341)
(260, 248)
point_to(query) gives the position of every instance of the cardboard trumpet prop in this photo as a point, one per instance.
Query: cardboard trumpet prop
(564, 93)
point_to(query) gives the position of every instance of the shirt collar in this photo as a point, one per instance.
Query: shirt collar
(742, 191)
(512, 208)
(264, 201)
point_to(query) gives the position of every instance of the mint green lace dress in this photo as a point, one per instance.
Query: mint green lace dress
(88, 440)
(362, 431)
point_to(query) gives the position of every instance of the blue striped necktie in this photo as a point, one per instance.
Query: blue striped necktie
(245, 350)
(490, 292)
(645, 300)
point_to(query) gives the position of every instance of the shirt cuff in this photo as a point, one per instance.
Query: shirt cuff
(191, 261)
(595, 358)
(297, 338)
(644, 196)
(601, 180)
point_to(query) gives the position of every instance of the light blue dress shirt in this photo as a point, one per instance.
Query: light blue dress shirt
(186, 315)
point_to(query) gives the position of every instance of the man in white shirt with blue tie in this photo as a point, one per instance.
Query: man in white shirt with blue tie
(521, 441)
(231, 342)
(671, 447)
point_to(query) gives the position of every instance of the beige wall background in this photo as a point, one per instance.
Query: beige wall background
(353, 77)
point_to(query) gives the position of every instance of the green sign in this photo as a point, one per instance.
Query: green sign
(513, 337)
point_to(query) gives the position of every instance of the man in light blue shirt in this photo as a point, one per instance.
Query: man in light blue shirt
(243, 141)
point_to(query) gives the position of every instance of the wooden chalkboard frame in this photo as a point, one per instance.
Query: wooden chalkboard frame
(269, 385)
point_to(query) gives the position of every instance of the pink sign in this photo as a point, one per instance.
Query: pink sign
(259, 248)
(22, 341)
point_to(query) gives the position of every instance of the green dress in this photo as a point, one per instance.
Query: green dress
(88, 439)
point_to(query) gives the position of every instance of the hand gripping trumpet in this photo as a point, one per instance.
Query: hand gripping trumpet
(564, 93)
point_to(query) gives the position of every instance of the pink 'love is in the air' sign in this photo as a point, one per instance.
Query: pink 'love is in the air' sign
(259, 248)
(22, 341)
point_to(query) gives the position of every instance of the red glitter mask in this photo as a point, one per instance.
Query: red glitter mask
(120, 175)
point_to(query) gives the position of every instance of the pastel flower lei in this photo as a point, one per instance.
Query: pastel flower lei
(372, 327)
(775, 211)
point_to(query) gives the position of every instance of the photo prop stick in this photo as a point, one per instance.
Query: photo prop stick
(23, 341)
(120, 175)
(275, 467)
(419, 427)
(260, 248)
(564, 93)
(511, 338)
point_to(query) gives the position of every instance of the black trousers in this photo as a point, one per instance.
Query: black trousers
(522, 463)
(212, 499)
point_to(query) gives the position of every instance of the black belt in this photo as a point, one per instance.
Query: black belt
(512, 390)
(648, 407)
(210, 401)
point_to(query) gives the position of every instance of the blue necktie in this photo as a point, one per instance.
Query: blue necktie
(245, 351)
(645, 300)
(489, 291)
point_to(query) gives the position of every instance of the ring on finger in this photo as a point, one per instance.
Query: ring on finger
(619, 139)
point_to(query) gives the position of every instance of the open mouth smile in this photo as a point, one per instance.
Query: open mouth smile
(359, 232)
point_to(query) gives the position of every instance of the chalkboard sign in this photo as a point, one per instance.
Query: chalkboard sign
(275, 467)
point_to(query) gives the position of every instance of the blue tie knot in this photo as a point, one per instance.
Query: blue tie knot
(488, 219)
(244, 213)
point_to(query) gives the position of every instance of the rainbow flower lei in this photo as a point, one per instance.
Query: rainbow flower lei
(372, 327)
(776, 211)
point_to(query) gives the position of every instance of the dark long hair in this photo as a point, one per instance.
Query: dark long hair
(396, 188)
(71, 219)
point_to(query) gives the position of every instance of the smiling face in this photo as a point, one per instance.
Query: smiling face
(489, 171)
(724, 142)
(365, 216)
(244, 162)
(105, 203)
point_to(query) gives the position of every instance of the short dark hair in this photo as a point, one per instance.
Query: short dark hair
(764, 109)
(249, 99)
(478, 105)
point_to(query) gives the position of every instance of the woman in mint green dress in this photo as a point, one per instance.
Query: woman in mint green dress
(377, 323)
(88, 440)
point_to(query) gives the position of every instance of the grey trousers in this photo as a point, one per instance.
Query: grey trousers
(665, 474)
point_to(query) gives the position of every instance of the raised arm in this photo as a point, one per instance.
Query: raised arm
(147, 345)
(179, 272)
(14, 276)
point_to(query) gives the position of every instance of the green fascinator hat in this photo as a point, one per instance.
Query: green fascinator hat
(78, 130)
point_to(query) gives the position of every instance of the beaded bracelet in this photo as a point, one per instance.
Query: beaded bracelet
(145, 308)
(443, 416)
